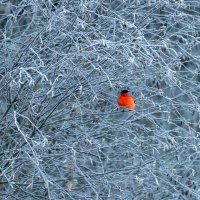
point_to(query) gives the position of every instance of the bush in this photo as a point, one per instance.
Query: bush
(63, 63)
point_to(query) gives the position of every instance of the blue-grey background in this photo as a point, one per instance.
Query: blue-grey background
(62, 65)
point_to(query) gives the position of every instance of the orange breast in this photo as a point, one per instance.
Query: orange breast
(126, 102)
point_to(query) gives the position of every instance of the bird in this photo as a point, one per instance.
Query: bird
(125, 101)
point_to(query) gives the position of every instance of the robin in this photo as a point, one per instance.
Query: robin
(126, 101)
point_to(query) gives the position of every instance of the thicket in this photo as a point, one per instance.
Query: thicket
(62, 65)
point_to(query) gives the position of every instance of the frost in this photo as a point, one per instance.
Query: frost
(63, 65)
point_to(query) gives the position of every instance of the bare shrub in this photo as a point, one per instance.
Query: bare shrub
(63, 63)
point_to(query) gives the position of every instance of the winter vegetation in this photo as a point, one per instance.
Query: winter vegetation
(62, 65)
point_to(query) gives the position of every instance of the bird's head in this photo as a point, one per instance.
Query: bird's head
(124, 92)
